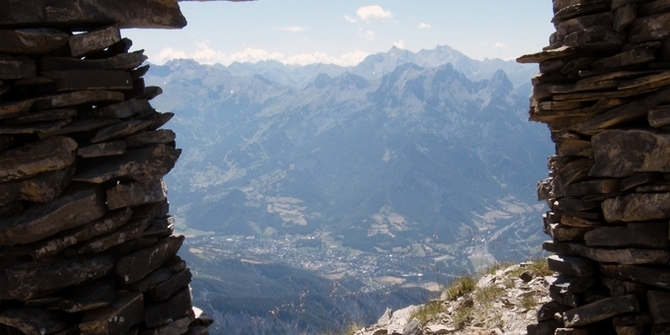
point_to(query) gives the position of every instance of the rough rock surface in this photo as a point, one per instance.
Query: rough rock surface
(83, 206)
(501, 303)
(604, 92)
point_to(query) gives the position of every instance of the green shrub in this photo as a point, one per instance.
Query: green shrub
(427, 312)
(460, 287)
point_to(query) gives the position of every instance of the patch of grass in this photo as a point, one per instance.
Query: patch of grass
(462, 316)
(488, 294)
(540, 267)
(460, 287)
(528, 301)
(428, 312)
(508, 282)
(350, 330)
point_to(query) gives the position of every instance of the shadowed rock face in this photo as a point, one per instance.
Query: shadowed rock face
(83, 206)
(69, 13)
(604, 90)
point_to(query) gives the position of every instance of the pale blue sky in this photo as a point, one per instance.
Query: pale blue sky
(345, 31)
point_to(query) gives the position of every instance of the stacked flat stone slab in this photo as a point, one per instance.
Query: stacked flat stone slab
(86, 241)
(604, 92)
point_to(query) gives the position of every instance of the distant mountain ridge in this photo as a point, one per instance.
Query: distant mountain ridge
(403, 170)
(375, 66)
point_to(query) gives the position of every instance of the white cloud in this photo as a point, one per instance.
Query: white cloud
(399, 44)
(423, 25)
(207, 55)
(500, 45)
(349, 19)
(375, 12)
(291, 29)
(253, 55)
(169, 53)
(348, 59)
(368, 34)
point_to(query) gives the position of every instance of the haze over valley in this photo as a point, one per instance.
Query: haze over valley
(389, 177)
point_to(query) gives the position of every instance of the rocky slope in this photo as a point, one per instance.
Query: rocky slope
(502, 301)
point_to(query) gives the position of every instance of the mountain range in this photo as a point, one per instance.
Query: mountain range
(427, 157)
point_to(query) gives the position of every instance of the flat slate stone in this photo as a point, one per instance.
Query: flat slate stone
(595, 186)
(78, 98)
(632, 319)
(94, 40)
(121, 110)
(117, 319)
(31, 128)
(135, 14)
(562, 233)
(654, 276)
(637, 207)
(151, 280)
(620, 256)
(618, 287)
(153, 210)
(633, 110)
(121, 130)
(162, 313)
(47, 115)
(124, 61)
(571, 266)
(659, 116)
(624, 16)
(546, 55)
(75, 207)
(31, 280)
(653, 235)
(653, 7)
(570, 285)
(15, 108)
(32, 41)
(86, 297)
(43, 187)
(137, 265)
(32, 321)
(578, 222)
(169, 287)
(131, 231)
(574, 148)
(176, 327)
(604, 20)
(78, 126)
(626, 58)
(622, 153)
(114, 148)
(650, 28)
(52, 154)
(639, 179)
(75, 80)
(160, 227)
(143, 138)
(13, 68)
(595, 39)
(106, 224)
(600, 310)
(135, 194)
(143, 165)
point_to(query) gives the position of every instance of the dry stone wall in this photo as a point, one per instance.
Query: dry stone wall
(86, 241)
(604, 92)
